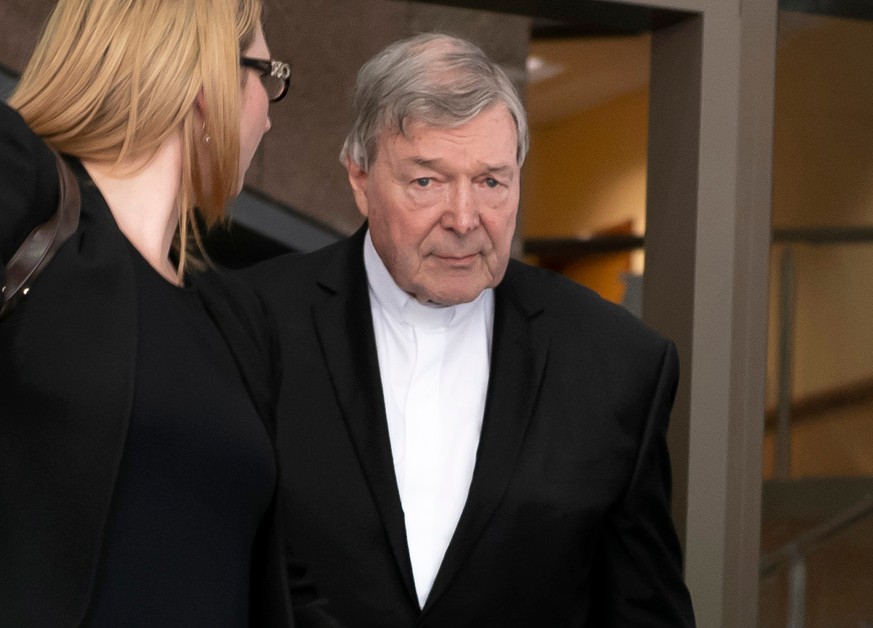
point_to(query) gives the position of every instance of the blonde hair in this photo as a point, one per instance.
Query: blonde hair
(111, 80)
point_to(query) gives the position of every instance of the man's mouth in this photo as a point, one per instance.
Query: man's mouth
(457, 260)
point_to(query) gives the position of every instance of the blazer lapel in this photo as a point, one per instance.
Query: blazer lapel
(519, 353)
(242, 329)
(344, 326)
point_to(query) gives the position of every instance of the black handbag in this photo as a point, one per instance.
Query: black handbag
(40, 246)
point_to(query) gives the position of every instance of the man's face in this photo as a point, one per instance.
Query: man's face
(441, 205)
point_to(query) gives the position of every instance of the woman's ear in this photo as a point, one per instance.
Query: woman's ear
(200, 103)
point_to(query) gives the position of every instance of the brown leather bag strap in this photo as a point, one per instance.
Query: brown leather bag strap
(40, 246)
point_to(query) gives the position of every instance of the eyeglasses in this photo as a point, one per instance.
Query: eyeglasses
(275, 75)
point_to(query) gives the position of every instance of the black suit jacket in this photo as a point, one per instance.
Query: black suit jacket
(67, 359)
(567, 521)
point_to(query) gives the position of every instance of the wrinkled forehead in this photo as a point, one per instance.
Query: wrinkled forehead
(392, 127)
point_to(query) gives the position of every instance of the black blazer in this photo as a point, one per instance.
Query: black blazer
(67, 355)
(567, 521)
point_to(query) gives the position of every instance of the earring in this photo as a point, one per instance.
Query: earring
(206, 136)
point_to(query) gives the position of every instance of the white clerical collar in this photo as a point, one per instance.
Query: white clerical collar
(405, 308)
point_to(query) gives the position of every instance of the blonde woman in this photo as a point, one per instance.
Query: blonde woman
(137, 472)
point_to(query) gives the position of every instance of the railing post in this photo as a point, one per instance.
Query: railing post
(786, 361)
(797, 591)
(794, 553)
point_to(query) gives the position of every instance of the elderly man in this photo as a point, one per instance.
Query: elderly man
(466, 441)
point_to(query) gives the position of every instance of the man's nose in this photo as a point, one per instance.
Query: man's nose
(462, 214)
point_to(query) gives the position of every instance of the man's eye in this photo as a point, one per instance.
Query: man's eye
(423, 182)
(491, 183)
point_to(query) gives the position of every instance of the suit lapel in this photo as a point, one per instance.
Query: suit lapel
(344, 325)
(518, 358)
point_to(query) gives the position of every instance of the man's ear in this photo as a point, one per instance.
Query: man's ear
(358, 179)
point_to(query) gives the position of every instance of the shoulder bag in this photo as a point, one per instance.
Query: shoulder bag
(40, 246)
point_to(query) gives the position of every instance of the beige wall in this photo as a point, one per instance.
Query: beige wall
(823, 176)
(588, 171)
(836, 446)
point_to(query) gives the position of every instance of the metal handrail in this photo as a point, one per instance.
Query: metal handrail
(822, 235)
(806, 541)
(789, 238)
(794, 553)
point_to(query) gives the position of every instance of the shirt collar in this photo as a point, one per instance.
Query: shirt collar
(405, 308)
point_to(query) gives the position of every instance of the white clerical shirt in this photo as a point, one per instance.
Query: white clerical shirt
(434, 364)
